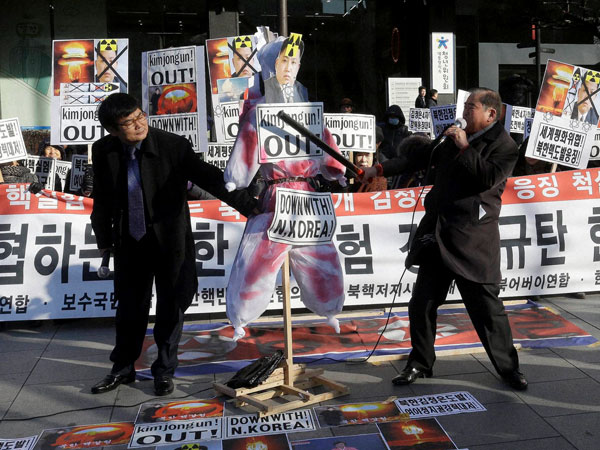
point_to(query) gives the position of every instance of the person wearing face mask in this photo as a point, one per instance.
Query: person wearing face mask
(394, 131)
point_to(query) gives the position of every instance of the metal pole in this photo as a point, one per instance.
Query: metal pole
(538, 58)
(51, 10)
(283, 15)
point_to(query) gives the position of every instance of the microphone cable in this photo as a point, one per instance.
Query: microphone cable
(460, 123)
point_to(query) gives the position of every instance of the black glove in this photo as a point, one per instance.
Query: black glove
(35, 187)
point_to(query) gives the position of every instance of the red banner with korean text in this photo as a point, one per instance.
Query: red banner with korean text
(549, 228)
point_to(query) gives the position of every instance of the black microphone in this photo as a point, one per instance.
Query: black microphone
(104, 271)
(459, 122)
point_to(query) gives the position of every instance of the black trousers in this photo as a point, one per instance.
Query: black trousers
(483, 306)
(137, 266)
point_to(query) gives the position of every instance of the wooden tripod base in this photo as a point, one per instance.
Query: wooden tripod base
(288, 395)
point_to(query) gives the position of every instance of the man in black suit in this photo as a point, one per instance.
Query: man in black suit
(141, 214)
(420, 102)
(459, 237)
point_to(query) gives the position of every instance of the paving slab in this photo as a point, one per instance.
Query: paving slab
(566, 397)
(69, 400)
(10, 385)
(502, 422)
(529, 444)
(581, 430)
(19, 362)
(76, 368)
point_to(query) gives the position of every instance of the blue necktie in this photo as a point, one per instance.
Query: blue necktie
(137, 221)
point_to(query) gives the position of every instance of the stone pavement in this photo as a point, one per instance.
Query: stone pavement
(50, 369)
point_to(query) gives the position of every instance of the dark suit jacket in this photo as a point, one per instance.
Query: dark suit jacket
(420, 102)
(167, 162)
(273, 93)
(591, 117)
(463, 207)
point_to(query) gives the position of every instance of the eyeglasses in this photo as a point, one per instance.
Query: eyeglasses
(141, 117)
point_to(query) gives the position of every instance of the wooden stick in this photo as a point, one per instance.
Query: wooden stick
(287, 322)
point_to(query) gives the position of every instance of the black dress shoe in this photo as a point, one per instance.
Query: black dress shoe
(111, 381)
(516, 380)
(163, 385)
(410, 375)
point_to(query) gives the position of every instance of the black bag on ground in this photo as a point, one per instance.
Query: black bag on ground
(257, 372)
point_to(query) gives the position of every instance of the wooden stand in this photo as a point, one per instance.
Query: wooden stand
(289, 382)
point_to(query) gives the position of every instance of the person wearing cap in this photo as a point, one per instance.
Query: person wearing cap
(346, 106)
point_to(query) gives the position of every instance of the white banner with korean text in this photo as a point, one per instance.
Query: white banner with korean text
(549, 228)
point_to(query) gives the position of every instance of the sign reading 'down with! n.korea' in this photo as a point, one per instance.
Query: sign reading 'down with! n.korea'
(278, 141)
(302, 218)
(355, 132)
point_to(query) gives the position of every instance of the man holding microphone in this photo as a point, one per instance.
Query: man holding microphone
(458, 238)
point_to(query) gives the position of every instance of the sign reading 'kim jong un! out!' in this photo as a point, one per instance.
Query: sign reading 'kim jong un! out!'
(279, 141)
(84, 73)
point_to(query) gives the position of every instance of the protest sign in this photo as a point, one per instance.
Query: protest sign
(179, 411)
(402, 92)
(353, 132)
(271, 442)
(373, 441)
(302, 218)
(44, 168)
(439, 404)
(86, 93)
(413, 433)
(62, 170)
(173, 93)
(527, 127)
(442, 117)
(79, 165)
(23, 443)
(517, 119)
(84, 72)
(566, 118)
(253, 425)
(227, 117)
(218, 154)
(12, 146)
(358, 413)
(442, 62)
(231, 63)
(461, 98)
(161, 433)
(278, 141)
(85, 436)
(595, 150)
(419, 120)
